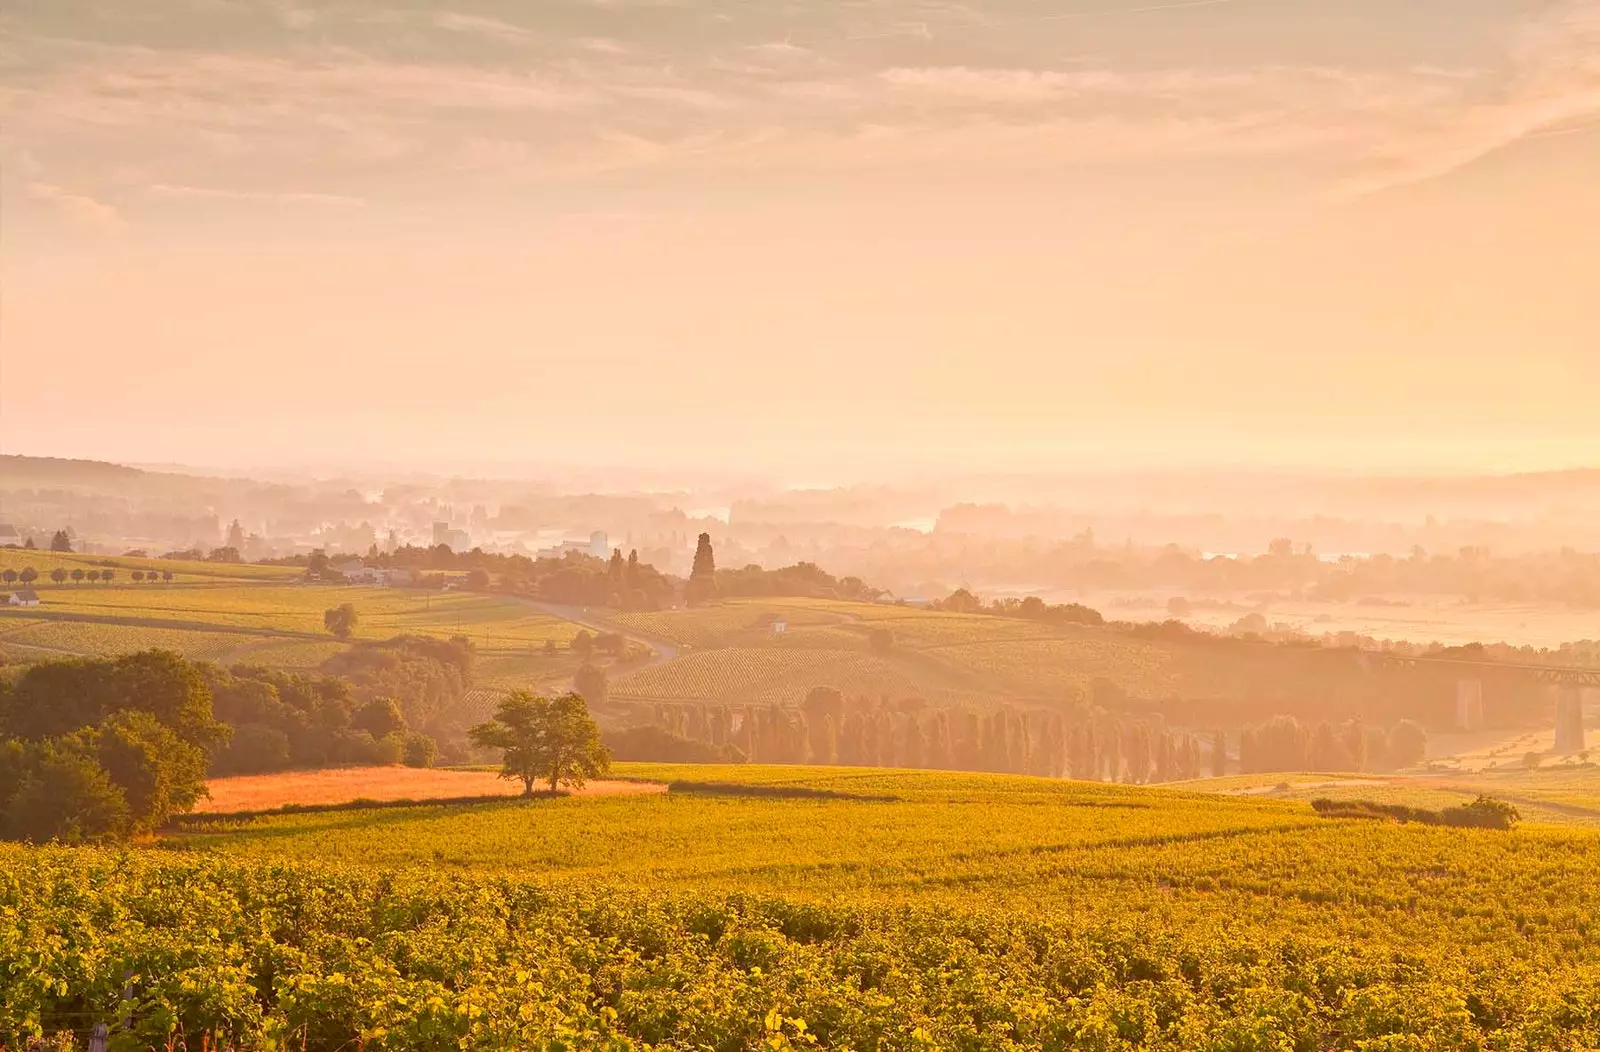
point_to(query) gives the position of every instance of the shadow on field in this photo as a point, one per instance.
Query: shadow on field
(774, 792)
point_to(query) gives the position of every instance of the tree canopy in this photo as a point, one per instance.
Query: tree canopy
(544, 740)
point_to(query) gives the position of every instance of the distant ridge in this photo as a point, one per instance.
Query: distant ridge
(18, 470)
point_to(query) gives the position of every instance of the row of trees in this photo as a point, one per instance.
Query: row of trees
(61, 575)
(1284, 743)
(832, 729)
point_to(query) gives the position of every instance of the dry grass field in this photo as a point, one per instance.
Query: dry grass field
(342, 785)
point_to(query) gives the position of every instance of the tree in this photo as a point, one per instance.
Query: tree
(544, 740)
(235, 536)
(28, 575)
(340, 620)
(478, 579)
(77, 575)
(59, 575)
(61, 542)
(8, 575)
(421, 750)
(1408, 744)
(166, 576)
(138, 575)
(702, 586)
(107, 575)
(61, 794)
(159, 773)
(881, 640)
(583, 644)
(379, 717)
(591, 683)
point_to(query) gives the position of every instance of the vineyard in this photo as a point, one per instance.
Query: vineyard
(268, 622)
(832, 908)
(183, 571)
(941, 657)
(777, 675)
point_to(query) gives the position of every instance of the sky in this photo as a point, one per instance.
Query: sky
(842, 239)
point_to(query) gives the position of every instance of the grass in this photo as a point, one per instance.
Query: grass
(344, 785)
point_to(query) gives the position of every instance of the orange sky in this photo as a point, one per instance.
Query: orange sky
(834, 238)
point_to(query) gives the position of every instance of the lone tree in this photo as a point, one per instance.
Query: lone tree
(340, 620)
(702, 586)
(544, 739)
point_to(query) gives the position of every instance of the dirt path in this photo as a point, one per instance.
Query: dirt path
(264, 792)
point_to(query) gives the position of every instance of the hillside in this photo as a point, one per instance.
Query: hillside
(787, 907)
(231, 613)
(734, 655)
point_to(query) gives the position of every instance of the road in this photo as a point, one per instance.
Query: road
(662, 651)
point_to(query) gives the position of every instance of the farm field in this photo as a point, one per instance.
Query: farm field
(941, 657)
(183, 571)
(841, 908)
(274, 623)
(343, 785)
(1567, 795)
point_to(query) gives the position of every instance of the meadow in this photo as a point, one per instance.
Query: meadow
(780, 907)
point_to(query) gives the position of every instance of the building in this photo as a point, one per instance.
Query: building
(455, 540)
(23, 598)
(598, 545)
(355, 571)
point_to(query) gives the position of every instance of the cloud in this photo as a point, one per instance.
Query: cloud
(1554, 85)
(478, 25)
(79, 210)
(167, 192)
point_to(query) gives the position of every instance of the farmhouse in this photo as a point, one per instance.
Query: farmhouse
(24, 598)
(356, 572)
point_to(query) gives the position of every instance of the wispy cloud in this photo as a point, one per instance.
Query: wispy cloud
(168, 192)
(79, 210)
(1554, 85)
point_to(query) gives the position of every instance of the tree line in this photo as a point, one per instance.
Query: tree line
(830, 728)
(78, 575)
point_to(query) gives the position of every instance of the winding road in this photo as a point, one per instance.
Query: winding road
(661, 650)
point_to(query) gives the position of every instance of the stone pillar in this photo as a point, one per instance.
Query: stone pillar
(1469, 703)
(1569, 720)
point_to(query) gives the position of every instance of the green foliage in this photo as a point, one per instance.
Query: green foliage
(544, 740)
(1483, 813)
(341, 620)
(379, 717)
(702, 585)
(420, 751)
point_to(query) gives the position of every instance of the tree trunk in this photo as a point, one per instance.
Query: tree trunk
(554, 775)
(527, 785)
